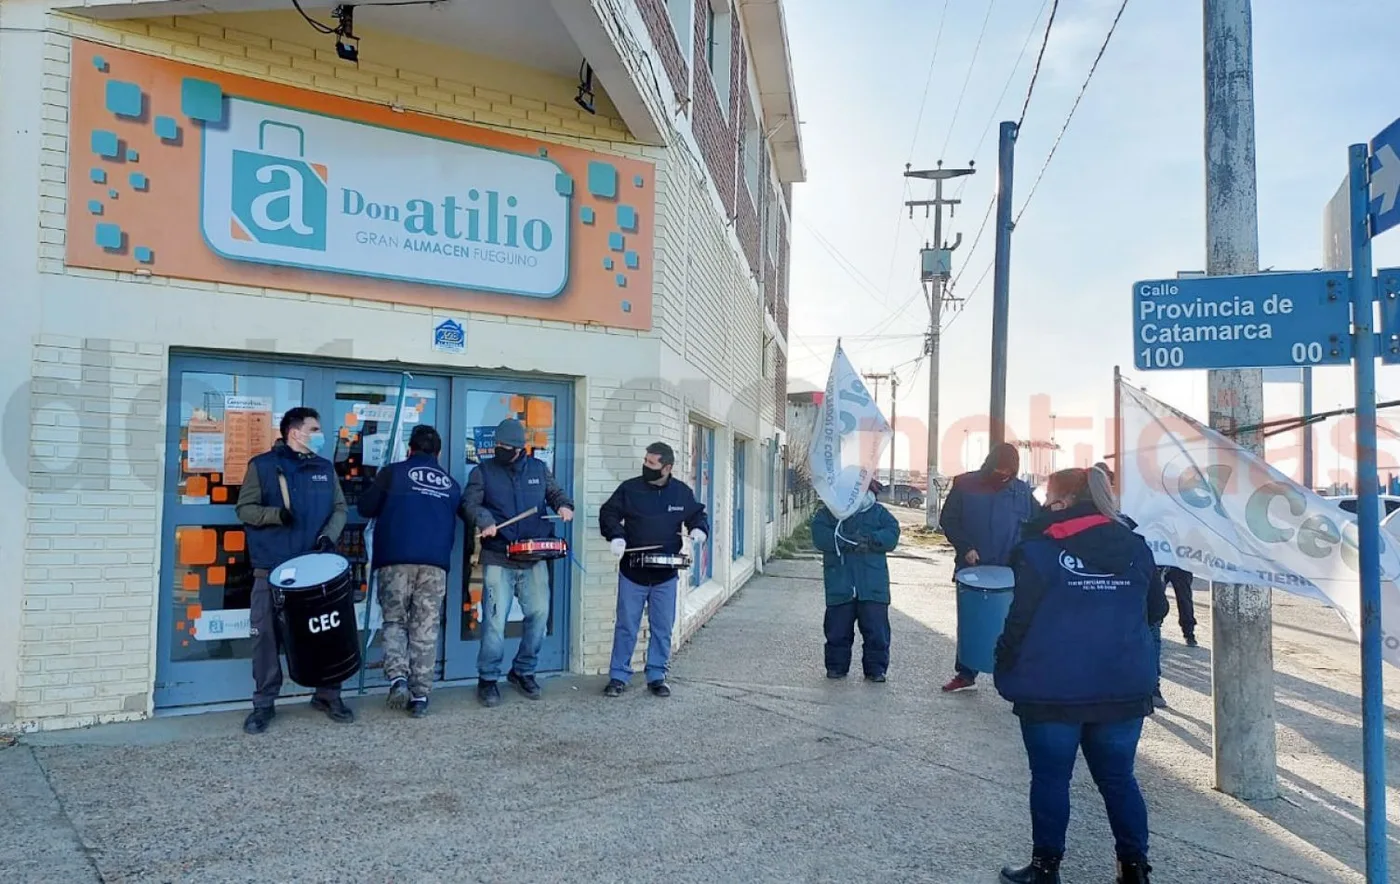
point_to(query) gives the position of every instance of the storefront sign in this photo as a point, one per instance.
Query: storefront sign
(449, 336)
(194, 173)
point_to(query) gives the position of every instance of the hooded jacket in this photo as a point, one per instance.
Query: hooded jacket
(858, 572)
(1077, 645)
(985, 512)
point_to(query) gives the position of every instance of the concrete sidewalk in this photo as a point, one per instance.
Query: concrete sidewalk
(758, 769)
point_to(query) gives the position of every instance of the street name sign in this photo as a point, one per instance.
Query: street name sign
(1255, 321)
(1385, 179)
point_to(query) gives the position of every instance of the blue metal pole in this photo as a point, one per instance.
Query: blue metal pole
(1001, 279)
(1308, 479)
(1363, 296)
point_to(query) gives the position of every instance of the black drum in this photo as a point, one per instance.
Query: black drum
(315, 603)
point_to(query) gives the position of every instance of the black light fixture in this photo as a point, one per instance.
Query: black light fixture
(347, 45)
(584, 98)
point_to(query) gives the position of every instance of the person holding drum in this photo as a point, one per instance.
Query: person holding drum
(292, 505)
(643, 521)
(415, 505)
(506, 497)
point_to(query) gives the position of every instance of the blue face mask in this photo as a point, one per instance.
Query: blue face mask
(315, 442)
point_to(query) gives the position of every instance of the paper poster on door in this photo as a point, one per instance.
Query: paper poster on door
(248, 432)
(206, 452)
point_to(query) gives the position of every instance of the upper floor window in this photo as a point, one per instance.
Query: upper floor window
(717, 48)
(753, 157)
(682, 23)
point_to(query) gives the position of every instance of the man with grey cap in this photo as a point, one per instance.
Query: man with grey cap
(499, 489)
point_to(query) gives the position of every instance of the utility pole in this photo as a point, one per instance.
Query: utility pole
(894, 406)
(935, 266)
(1001, 279)
(1242, 661)
(877, 378)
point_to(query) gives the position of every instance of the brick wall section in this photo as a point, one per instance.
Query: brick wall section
(712, 131)
(746, 202)
(668, 44)
(90, 556)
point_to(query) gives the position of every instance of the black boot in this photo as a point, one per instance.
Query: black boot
(1044, 869)
(1133, 871)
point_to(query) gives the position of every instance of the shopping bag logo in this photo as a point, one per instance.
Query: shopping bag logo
(279, 200)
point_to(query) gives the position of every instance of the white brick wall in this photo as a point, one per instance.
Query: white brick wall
(94, 464)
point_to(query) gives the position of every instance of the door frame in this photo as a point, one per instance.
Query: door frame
(188, 683)
(459, 655)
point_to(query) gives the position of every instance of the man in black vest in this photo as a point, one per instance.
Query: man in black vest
(648, 511)
(292, 505)
(499, 489)
(415, 504)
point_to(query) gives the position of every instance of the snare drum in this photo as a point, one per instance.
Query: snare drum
(538, 550)
(659, 560)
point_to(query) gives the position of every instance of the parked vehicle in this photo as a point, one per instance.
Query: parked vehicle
(1389, 503)
(903, 495)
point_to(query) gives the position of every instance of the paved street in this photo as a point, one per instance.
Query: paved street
(758, 769)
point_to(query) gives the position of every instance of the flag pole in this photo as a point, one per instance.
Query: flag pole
(1118, 432)
(390, 451)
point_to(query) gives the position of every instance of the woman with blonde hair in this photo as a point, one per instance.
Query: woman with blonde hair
(1078, 663)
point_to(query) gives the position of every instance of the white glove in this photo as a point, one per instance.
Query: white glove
(697, 536)
(618, 546)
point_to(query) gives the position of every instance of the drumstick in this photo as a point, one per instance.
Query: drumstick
(511, 521)
(641, 548)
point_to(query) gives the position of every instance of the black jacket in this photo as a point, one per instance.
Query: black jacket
(651, 515)
(1098, 545)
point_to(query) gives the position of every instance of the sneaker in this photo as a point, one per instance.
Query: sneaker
(488, 694)
(526, 684)
(1133, 872)
(960, 683)
(335, 710)
(1158, 701)
(659, 688)
(877, 678)
(418, 707)
(398, 693)
(258, 720)
(615, 688)
(832, 673)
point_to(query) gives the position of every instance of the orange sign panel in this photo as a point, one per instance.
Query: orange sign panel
(194, 173)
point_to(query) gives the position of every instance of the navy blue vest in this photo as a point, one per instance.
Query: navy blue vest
(994, 519)
(511, 490)
(1089, 641)
(311, 486)
(418, 523)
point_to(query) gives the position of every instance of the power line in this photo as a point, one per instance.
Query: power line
(1082, 89)
(1006, 87)
(1035, 72)
(971, 65)
(845, 264)
(928, 82)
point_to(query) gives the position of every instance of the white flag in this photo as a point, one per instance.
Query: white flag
(1210, 507)
(850, 437)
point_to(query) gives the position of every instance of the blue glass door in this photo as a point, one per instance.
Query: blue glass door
(221, 412)
(546, 410)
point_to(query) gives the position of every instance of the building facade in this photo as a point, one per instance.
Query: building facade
(571, 212)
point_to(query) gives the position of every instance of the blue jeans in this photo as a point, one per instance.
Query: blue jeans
(501, 586)
(1110, 750)
(660, 602)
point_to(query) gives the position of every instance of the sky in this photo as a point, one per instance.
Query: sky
(1122, 200)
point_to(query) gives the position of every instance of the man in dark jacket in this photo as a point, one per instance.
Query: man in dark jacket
(292, 505)
(499, 489)
(1181, 582)
(857, 581)
(1077, 660)
(648, 511)
(415, 505)
(982, 519)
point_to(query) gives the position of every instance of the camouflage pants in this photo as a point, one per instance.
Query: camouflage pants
(410, 597)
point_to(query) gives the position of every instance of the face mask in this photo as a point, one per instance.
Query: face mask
(650, 474)
(505, 455)
(315, 442)
(868, 500)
